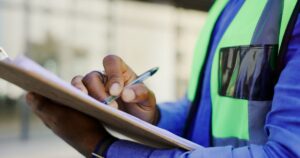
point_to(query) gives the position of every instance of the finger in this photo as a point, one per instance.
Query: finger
(41, 105)
(118, 73)
(93, 83)
(114, 68)
(34, 100)
(45, 109)
(139, 94)
(129, 75)
(77, 82)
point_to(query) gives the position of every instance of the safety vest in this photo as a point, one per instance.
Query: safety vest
(243, 73)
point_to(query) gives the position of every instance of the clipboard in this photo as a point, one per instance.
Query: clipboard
(30, 76)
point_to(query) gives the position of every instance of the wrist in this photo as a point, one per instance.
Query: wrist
(156, 116)
(102, 147)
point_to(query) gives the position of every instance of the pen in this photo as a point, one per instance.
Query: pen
(139, 79)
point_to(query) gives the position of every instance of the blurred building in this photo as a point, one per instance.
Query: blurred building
(70, 37)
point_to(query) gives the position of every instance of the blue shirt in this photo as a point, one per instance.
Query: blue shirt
(282, 123)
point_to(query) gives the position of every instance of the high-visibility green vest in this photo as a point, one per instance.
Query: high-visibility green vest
(242, 65)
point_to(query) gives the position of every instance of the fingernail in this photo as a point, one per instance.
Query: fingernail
(128, 95)
(115, 89)
(114, 104)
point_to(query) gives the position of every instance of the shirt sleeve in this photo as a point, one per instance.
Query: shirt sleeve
(282, 124)
(173, 115)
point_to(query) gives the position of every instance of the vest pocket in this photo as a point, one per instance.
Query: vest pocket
(248, 72)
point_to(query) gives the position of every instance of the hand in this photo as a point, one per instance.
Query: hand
(84, 132)
(77, 129)
(136, 100)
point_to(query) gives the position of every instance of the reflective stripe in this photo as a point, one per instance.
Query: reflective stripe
(202, 47)
(232, 141)
(288, 7)
(258, 111)
(230, 115)
(268, 27)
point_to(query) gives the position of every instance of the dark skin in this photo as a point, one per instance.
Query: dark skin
(84, 132)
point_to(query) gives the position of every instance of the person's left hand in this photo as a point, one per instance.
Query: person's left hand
(77, 129)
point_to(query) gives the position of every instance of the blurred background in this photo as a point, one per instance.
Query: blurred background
(70, 37)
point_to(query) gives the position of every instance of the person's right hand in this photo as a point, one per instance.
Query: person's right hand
(136, 100)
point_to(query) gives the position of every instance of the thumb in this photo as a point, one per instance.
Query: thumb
(139, 94)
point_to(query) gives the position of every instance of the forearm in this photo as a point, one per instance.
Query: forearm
(134, 150)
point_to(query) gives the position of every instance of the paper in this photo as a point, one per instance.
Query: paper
(30, 76)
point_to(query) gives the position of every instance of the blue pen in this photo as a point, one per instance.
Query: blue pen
(139, 79)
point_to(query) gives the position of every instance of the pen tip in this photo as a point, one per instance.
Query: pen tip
(154, 70)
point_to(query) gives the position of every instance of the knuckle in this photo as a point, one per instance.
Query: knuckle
(76, 79)
(90, 77)
(144, 92)
(95, 75)
(115, 77)
(141, 91)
